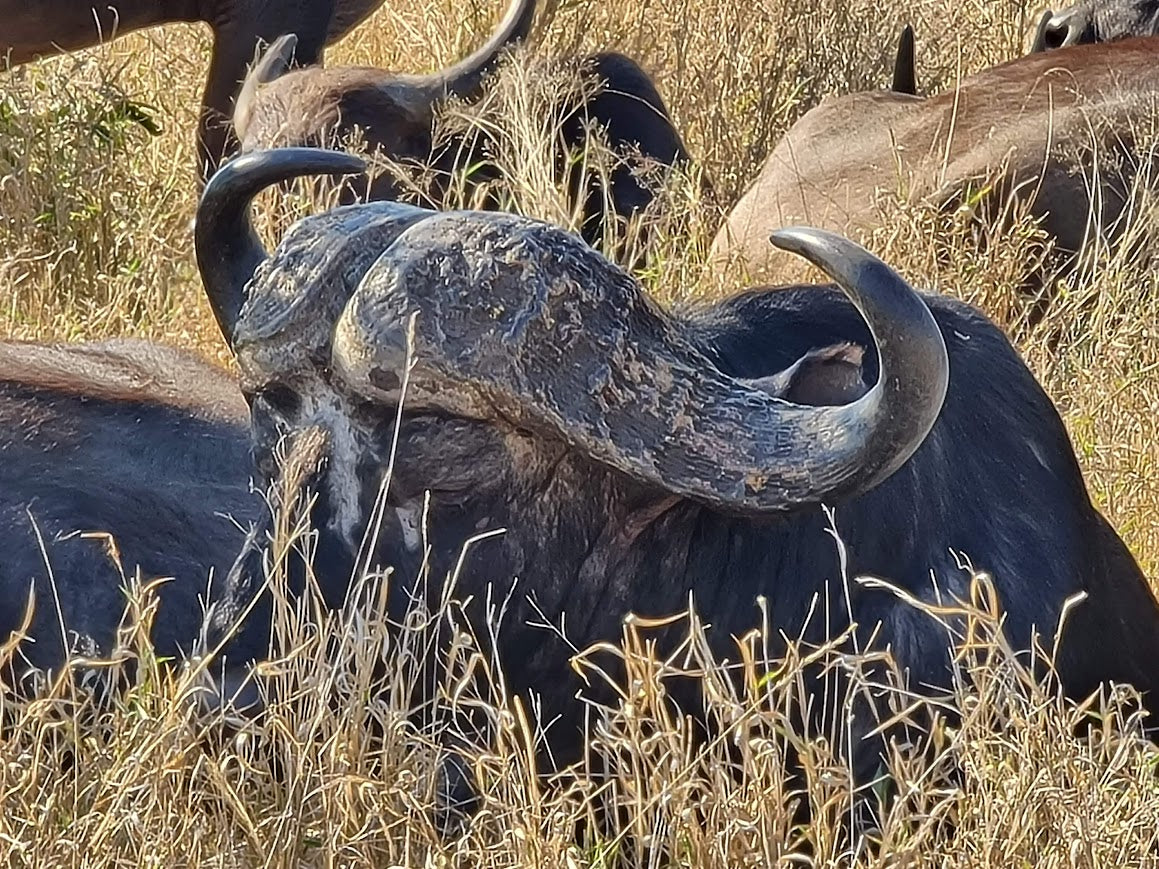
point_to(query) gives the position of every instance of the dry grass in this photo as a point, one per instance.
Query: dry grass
(96, 195)
(346, 765)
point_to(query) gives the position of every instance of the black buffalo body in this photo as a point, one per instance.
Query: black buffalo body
(116, 456)
(995, 485)
(636, 457)
(549, 398)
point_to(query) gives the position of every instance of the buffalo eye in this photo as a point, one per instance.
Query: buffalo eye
(280, 399)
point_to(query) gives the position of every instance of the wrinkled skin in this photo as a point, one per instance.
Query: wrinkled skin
(1097, 21)
(588, 542)
(136, 440)
(315, 106)
(39, 28)
(1022, 127)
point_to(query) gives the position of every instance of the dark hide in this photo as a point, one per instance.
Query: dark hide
(996, 480)
(128, 439)
(1000, 485)
(39, 28)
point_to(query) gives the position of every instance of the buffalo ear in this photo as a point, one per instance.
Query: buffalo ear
(827, 376)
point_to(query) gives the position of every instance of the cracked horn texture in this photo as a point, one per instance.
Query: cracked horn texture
(297, 293)
(520, 321)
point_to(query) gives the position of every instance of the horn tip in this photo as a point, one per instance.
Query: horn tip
(298, 161)
(797, 238)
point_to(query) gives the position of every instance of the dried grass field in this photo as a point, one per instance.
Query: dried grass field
(97, 191)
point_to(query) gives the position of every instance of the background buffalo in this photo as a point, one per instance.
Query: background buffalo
(397, 115)
(41, 28)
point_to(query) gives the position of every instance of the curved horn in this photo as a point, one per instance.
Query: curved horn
(1039, 43)
(273, 64)
(466, 77)
(566, 343)
(914, 368)
(1062, 29)
(905, 80)
(1075, 28)
(227, 247)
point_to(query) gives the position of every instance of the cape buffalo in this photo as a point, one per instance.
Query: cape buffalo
(1096, 21)
(124, 438)
(1067, 132)
(39, 28)
(637, 457)
(396, 113)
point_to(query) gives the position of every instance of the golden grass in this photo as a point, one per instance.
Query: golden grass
(95, 212)
(340, 770)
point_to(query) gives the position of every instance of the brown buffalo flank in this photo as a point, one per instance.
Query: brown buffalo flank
(1036, 129)
(124, 371)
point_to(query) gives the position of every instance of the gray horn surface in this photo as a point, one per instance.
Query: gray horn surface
(1059, 30)
(227, 248)
(1039, 43)
(520, 321)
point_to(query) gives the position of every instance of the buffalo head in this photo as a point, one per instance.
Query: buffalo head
(513, 323)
